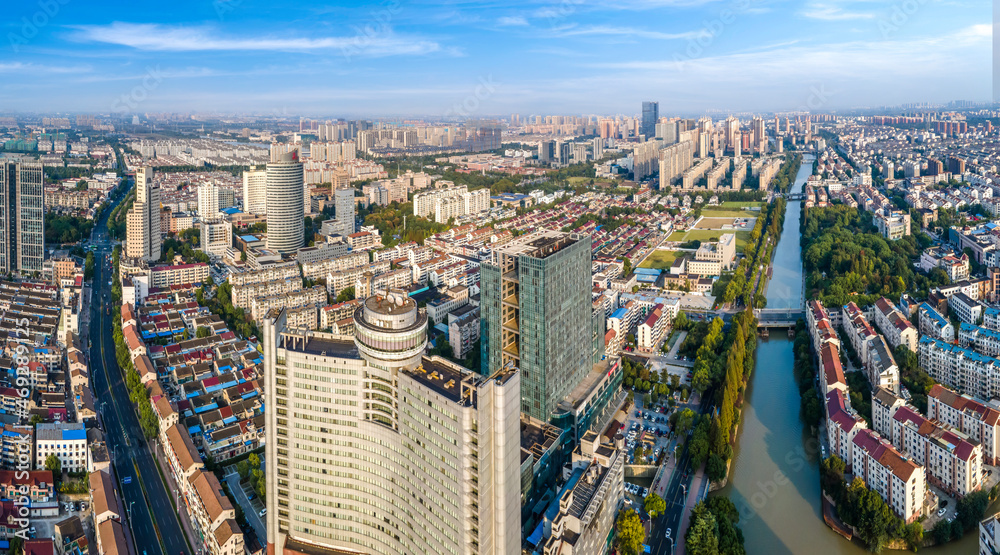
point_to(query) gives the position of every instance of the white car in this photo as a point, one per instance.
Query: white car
(942, 512)
(668, 532)
(262, 512)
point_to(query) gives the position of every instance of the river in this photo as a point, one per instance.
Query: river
(774, 480)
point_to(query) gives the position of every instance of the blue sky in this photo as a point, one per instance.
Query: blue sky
(411, 57)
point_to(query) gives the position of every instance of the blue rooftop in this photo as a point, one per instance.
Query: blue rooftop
(72, 435)
(231, 210)
(620, 313)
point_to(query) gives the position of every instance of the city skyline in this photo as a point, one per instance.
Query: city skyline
(479, 59)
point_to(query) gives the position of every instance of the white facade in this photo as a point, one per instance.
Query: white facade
(285, 208)
(255, 190)
(387, 451)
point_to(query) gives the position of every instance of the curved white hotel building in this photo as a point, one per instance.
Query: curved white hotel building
(285, 204)
(373, 447)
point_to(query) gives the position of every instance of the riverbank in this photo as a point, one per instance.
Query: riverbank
(774, 476)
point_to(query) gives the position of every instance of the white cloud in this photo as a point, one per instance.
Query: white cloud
(367, 41)
(620, 32)
(512, 21)
(830, 12)
(20, 67)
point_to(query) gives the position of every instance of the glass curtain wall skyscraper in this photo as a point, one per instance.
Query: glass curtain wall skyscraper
(650, 115)
(22, 217)
(537, 315)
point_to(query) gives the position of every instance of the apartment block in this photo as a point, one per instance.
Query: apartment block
(978, 421)
(584, 517)
(369, 284)
(952, 462)
(936, 326)
(961, 369)
(843, 424)
(180, 274)
(966, 308)
(884, 406)
(339, 280)
(244, 295)
(880, 365)
(899, 480)
(982, 340)
(315, 295)
(267, 272)
(653, 328)
(213, 515)
(68, 441)
(895, 326)
(320, 268)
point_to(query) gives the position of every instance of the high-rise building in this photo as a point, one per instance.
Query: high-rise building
(344, 204)
(285, 204)
(255, 190)
(216, 236)
(536, 315)
(373, 447)
(208, 201)
(598, 148)
(547, 151)
(650, 115)
(142, 239)
(22, 217)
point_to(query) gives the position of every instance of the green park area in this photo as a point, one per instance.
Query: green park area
(706, 235)
(659, 259)
(731, 210)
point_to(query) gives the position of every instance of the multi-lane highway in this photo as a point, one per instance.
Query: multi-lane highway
(154, 523)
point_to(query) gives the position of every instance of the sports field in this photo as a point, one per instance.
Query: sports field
(659, 259)
(704, 235)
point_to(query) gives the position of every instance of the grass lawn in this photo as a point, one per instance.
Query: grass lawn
(578, 180)
(717, 212)
(659, 259)
(708, 235)
(736, 204)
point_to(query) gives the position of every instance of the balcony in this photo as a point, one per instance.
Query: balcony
(511, 325)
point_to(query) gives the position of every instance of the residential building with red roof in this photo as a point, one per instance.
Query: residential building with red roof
(980, 422)
(898, 479)
(842, 424)
(953, 463)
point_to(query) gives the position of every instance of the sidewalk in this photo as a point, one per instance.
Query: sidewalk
(180, 503)
(699, 488)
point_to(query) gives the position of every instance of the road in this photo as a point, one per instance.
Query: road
(145, 495)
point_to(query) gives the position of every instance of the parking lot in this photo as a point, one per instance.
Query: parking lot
(649, 428)
(251, 504)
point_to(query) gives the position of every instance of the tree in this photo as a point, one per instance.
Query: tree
(701, 537)
(346, 294)
(254, 461)
(53, 463)
(36, 419)
(715, 468)
(629, 532)
(913, 534)
(685, 419)
(203, 331)
(654, 505)
(942, 532)
(243, 469)
(971, 509)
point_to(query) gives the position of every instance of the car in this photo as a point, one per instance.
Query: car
(942, 512)
(668, 532)
(628, 501)
(262, 512)
(645, 492)
(250, 496)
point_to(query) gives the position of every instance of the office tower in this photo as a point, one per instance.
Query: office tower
(546, 151)
(344, 204)
(142, 232)
(22, 218)
(536, 315)
(650, 115)
(208, 201)
(285, 204)
(255, 190)
(598, 148)
(373, 447)
(562, 152)
(216, 236)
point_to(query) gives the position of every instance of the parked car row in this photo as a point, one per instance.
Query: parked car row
(636, 489)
